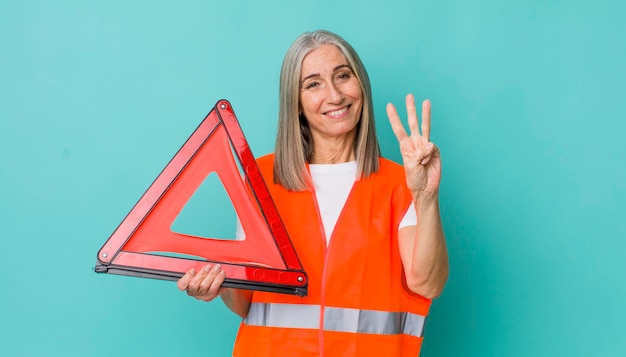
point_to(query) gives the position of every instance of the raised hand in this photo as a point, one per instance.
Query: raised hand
(421, 158)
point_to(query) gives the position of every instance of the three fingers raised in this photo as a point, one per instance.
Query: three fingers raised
(398, 127)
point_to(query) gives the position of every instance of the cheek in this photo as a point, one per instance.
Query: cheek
(309, 103)
(358, 93)
(353, 90)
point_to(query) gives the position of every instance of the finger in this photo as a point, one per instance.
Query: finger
(434, 149)
(412, 115)
(209, 278)
(217, 283)
(429, 151)
(422, 151)
(426, 120)
(195, 284)
(183, 282)
(396, 124)
(211, 284)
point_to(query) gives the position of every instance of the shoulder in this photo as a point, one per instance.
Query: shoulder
(391, 177)
(266, 161)
(265, 164)
(390, 168)
(266, 158)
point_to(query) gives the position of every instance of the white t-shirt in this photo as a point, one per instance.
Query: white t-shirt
(333, 183)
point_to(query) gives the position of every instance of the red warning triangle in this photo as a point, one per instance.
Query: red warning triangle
(144, 245)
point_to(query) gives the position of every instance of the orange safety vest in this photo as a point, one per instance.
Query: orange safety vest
(358, 303)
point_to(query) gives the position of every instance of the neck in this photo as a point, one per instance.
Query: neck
(333, 151)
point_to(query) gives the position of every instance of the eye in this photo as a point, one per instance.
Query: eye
(343, 76)
(310, 85)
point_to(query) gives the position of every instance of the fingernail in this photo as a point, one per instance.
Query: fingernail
(207, 268)
(217, 267)
(193, 271)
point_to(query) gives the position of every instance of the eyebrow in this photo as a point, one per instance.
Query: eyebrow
(317, 74)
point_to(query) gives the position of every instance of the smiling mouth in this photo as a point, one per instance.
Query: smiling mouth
(337, 112)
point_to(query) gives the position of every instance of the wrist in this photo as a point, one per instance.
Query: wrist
(425, 199)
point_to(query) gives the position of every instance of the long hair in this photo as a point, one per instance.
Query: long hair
(294, 143)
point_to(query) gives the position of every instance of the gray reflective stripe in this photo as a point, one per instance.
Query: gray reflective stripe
(371, 321)
(335, 319)
(284, 315)
(413, 324)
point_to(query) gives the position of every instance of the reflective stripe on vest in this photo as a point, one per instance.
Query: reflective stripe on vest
(283, 315)
(335, 319)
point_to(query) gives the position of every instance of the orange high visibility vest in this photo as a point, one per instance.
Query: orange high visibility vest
(357, 303)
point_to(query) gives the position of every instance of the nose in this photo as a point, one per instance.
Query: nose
(335, 96)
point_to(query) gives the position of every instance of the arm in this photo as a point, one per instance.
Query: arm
(237, 300)
(423, 252)
(422, 247)
(206, 285)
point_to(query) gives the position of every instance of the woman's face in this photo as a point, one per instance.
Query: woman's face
(330, 94)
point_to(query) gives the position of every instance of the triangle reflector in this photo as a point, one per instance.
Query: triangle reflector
(143, 245)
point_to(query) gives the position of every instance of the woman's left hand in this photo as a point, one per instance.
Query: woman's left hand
(421, 158)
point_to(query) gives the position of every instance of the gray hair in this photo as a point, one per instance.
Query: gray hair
(294, 143)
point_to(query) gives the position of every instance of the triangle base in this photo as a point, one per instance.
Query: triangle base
(174, 276)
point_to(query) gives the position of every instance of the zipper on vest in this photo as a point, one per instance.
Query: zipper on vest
(324, 272)
(327, 244)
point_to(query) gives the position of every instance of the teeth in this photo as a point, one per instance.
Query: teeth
(335, 113)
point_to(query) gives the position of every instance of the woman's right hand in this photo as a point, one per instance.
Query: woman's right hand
(205, 284)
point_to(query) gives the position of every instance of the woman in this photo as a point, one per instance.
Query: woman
(367, 230)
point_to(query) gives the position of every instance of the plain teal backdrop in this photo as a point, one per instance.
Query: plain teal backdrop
(528, 109)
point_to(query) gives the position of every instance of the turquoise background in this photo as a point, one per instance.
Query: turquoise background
(528, 109)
